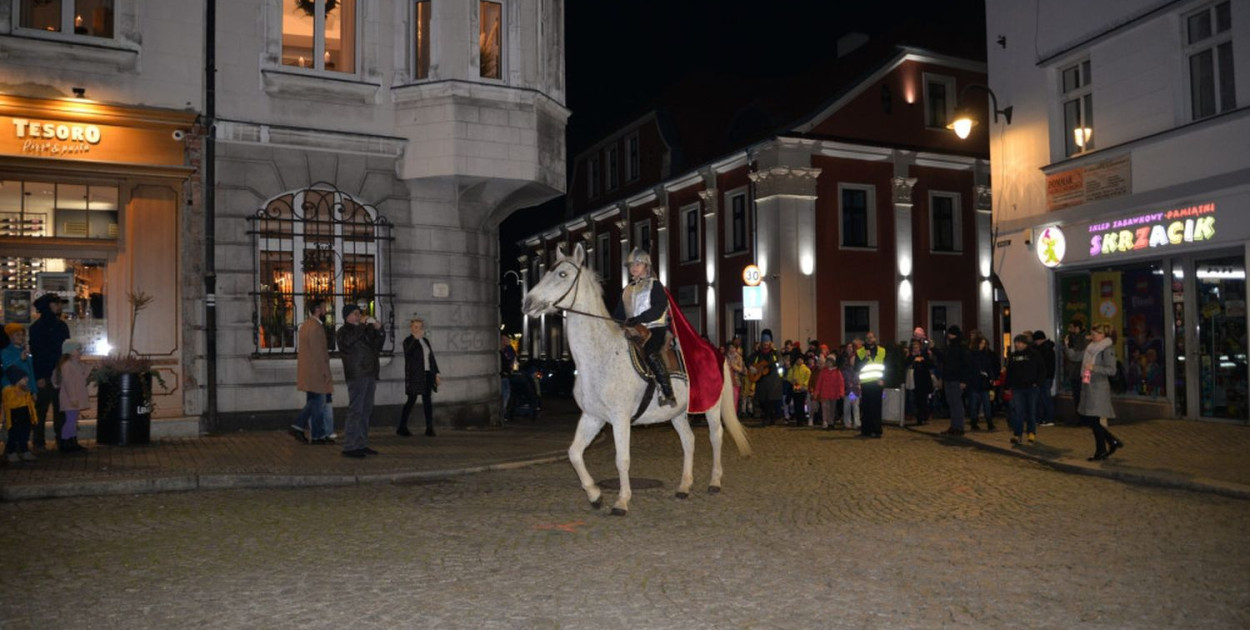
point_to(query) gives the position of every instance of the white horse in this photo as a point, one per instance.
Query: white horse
(608, 390)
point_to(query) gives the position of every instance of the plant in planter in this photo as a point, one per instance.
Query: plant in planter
(124, 388)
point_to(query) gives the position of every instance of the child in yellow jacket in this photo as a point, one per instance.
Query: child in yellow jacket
(19, 411)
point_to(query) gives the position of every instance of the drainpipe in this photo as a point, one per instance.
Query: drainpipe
(210, 213)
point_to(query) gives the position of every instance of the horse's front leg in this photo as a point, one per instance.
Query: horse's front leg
(587, 428)
(620, 431)
(682, 424)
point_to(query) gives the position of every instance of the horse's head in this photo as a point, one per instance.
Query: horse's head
(557, 285)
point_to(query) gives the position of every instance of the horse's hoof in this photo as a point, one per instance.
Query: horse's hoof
(683, 495)
(713, 489)
(597, 503)
(619, 512)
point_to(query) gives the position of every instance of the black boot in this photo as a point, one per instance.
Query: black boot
(661, 377)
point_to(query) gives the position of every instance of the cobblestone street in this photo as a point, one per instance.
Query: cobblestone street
(818, 530)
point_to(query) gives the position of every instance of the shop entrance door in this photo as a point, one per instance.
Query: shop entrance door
(1220, 336)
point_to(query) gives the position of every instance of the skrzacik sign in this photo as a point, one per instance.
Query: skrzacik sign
(1191, 224)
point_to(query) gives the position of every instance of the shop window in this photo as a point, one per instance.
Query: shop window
(490, 39)
(945, 223)
(64, 210)
(690, 233)
(736, 226)
(856, 218)
(421, 40)
(1209, 49)
(319, 34)
(1078, 108)
(633, 159)
(939, 100)
(89, 18)
(1130, 299)
(81, 283)
(318, 243)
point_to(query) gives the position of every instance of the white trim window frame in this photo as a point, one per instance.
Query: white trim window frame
(71, 23)
(611, 166)
(1076, 108)
(592, 176)
(869, 242)
(932, 98)
(952, 243)
(497, 33)
(421, 39)
(603, 253)
(691, 233)
(320, 54)
(1208, 37)
(643, 238)
(633, 158)
(737, 222)
(874, 315)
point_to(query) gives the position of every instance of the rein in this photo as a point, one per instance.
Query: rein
(575, 288)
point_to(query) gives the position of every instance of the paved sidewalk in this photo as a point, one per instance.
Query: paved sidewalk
(1186, 454)
(275, 459)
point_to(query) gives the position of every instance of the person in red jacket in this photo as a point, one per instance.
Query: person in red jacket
(829, 389)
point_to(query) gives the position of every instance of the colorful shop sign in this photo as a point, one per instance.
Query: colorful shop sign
(1190, 224)
(1051, 246)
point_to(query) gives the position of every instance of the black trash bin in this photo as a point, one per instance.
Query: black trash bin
(124, 417)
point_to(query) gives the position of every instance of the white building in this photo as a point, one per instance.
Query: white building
(366, 152)
(1122, 187)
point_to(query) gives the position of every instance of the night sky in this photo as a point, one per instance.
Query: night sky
(620, 55)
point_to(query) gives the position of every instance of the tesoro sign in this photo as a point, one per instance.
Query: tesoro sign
(54, 139)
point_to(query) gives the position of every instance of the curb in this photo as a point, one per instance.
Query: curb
(1197, 484)
(222, 481)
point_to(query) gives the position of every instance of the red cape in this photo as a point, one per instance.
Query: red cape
(704, 363)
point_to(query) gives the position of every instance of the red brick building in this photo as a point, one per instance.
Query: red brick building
(843, 185)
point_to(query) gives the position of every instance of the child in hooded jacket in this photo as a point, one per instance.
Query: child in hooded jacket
(829, 389)
(70, 377)
(19, 412)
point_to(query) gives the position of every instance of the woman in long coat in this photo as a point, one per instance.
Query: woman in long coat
(420, 377)
(1097, 368)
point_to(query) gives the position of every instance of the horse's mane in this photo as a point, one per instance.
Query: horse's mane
(595, 285)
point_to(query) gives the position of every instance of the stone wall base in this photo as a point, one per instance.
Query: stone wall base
(454, 415)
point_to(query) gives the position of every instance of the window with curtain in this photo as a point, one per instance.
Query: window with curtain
(490, 39)
(319, 35)
(421, 40)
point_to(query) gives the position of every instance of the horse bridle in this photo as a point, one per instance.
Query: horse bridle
(575, 288)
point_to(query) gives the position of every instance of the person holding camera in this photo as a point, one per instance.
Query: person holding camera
(360, 341)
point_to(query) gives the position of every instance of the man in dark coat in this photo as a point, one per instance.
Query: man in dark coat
(360, 340)
(1074, 344)
(46, 336)
(765, 365)
(1045, 403)
(956, 373)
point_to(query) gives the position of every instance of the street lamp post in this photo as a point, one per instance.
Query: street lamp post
(963, 121)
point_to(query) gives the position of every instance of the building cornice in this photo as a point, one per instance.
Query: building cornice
(605, 214)
(685, 181)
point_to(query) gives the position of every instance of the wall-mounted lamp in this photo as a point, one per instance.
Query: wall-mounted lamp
(79, 92)
(1081, 136)
(963, 121)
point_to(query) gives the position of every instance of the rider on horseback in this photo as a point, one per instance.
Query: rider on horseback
(644, 302)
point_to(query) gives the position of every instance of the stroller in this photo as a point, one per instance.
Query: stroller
(526, 399)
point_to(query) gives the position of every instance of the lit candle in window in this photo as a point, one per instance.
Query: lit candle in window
(327, 57)
(77, 21)
(301, 61)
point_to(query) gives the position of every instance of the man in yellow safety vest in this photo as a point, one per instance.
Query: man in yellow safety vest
(870, 363)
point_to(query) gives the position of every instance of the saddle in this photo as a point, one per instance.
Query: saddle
(670, 354)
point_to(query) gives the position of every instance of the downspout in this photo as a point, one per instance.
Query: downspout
(210, 214)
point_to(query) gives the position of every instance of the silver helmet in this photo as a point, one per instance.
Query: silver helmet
(639, 255)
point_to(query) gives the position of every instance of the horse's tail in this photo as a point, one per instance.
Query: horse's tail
(729, 413)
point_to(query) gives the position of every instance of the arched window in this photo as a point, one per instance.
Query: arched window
(318, 243)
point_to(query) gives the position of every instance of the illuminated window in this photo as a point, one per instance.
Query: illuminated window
(1078, 108)
(318, 243)
(1209, 47)
(421, 40)
(58, 209)
(319, 34)
(490, 39)
(939, 100)
(91, 18)
(81, 283)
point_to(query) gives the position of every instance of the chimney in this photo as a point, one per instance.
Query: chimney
(850, 42)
